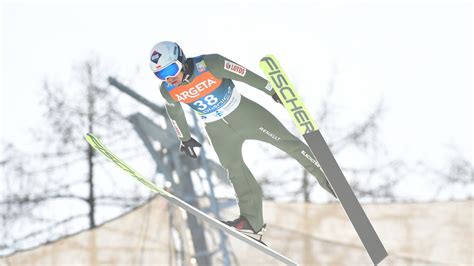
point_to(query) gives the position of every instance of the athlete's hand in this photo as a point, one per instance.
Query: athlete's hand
(188, 147)
(276, 98)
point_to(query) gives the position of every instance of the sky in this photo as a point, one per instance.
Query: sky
(417, 56)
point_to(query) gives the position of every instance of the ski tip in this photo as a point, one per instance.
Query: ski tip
(267, 56)
(89, 137)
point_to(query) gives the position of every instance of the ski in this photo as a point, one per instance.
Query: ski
(97, 144)
(310, 131)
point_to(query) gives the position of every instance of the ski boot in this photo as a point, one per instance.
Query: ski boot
(242, 225)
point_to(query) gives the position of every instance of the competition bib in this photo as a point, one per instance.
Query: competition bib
(212, 98)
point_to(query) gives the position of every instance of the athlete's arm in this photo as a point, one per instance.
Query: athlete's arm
(222, 67)
(176, 115)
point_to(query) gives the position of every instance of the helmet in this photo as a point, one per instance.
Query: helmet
(166, 59)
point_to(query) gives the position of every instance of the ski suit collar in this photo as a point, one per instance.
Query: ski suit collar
(188, 69)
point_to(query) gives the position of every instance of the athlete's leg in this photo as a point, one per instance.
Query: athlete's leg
(264, 126)
(228, 146)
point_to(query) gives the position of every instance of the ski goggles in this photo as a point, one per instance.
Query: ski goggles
(169, 71)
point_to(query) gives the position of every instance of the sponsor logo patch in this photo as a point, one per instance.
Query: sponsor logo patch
(201, 67)
(269, 87)
(234, 68)
(270, 134)
(201, 86)
(155, 56)
(176, 128)
(311, 159)
(170, 104)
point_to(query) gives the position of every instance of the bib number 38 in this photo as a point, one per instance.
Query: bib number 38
(205, 102)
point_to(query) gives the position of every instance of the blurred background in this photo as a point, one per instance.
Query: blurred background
(389, 84)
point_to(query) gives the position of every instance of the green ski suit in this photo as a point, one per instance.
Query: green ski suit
(230, 119)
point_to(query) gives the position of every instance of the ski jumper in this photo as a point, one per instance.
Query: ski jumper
(230, 119)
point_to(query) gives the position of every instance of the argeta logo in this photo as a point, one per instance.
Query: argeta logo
(155, 56)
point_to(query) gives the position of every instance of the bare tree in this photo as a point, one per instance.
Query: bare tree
(454, 177)
(47, 190)
(380, 176)
(373, 181)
